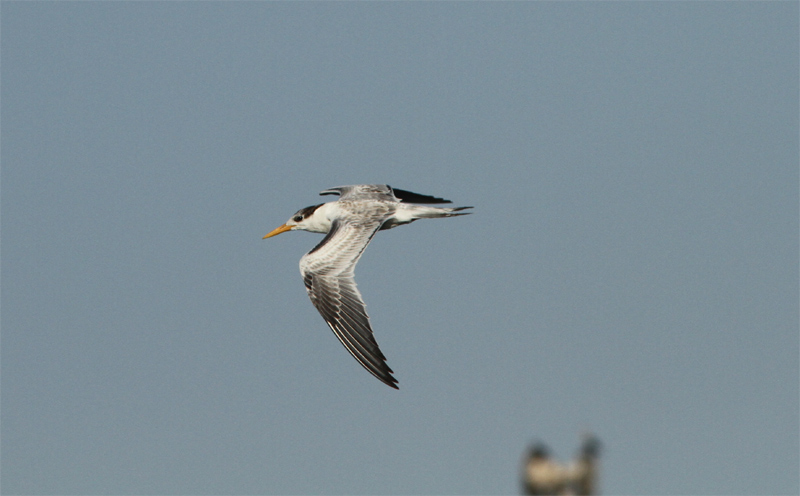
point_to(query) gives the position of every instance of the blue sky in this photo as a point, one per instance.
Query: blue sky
(630, 269)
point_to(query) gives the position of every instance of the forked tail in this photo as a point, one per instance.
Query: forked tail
(409, 213)
(424, 212)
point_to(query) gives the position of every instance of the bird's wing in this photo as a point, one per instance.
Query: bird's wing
(328, 273)
(409, 197)
(382, 192)
(378, 192)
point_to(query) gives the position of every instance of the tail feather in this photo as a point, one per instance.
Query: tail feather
(458, 209)
(442, 212)
(411, 213)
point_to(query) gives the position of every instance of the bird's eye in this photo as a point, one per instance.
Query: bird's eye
(297, 218)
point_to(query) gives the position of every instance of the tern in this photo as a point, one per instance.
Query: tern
(328, 269)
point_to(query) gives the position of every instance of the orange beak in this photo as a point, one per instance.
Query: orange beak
(277, 231)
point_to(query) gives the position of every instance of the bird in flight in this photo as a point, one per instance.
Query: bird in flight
(328, 269)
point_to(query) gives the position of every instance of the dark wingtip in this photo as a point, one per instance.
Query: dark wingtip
(385, 376)
(409, 197)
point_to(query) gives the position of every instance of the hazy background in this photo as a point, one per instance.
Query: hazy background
(631, 267)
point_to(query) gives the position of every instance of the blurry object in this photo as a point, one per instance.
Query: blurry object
(586, 467)
(542, 475)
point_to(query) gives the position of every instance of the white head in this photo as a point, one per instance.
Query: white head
(311, 219)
